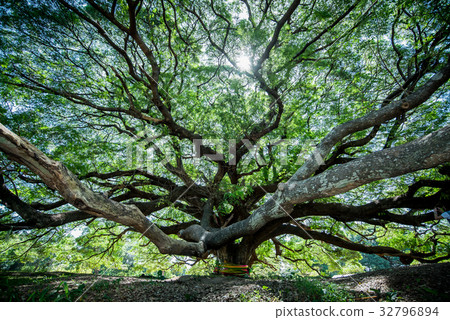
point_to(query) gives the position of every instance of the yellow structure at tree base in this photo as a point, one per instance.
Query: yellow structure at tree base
(229, 269)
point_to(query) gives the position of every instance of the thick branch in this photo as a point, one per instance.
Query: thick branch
(35, 219)
(374, 118)
(347, 244)
(56, 176)
(423, 153)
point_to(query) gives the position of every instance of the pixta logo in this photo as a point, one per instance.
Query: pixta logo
(148, 150)
(286, 150)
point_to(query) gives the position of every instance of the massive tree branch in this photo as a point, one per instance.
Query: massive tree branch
(374, 118)
(57, 177)
(306, 233)
(423, 153)
(34, 218)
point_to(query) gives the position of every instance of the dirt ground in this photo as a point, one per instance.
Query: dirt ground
(411, 283)
(427, 282)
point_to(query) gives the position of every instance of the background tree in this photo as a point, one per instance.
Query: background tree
(234, 129)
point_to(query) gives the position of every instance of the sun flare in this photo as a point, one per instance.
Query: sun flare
(243, 62)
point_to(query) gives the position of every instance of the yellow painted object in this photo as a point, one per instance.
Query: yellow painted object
(228, 269)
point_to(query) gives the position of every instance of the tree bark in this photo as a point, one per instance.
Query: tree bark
(423, 153)
(57, 177)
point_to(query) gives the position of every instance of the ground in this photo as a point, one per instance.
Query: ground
(428, 282)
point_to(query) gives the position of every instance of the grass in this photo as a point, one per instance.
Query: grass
(315, 290)
(61, 293)
(51, 288)
(56, 288)
(257, 295)
(36, 287)
(43, 290)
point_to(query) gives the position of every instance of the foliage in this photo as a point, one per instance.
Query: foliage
(46, 289)
(314, 290)
(121, 92)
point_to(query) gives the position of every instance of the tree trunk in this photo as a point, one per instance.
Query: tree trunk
(235, 254)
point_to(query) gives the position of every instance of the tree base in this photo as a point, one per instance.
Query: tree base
(229, 269)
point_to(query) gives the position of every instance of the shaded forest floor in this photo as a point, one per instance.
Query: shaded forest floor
(411, 283)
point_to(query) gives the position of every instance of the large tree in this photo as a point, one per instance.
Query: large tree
(215, 127)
